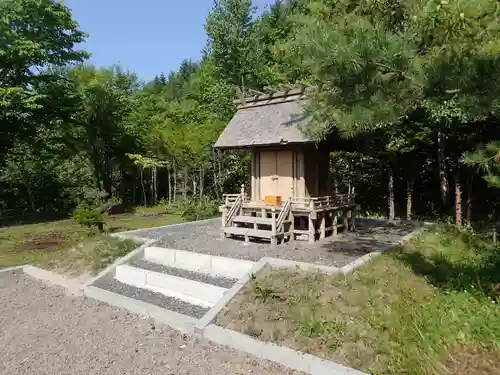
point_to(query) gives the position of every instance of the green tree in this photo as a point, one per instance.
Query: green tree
(35, 35)
(102, 131)
(229, 27)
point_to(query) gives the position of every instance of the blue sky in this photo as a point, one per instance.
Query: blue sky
(148, 36)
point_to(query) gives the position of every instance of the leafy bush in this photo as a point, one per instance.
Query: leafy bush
(90, 216)
(198, 210)
(94, 208)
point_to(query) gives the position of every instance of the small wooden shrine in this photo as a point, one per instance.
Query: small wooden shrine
(290, 195)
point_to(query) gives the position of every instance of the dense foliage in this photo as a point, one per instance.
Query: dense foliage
(415, 82)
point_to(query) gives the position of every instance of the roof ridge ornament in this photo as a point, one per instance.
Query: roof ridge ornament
(283, 91)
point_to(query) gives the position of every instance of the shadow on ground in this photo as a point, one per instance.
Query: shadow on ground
(477, 271)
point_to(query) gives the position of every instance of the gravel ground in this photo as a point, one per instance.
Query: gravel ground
(46, 332)
(336, 251)
(223, 282)
(153, 298)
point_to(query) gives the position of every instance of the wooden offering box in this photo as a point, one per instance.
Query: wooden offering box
(273, 200)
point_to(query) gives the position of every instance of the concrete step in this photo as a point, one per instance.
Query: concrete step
(202, 263)
(190, 291)
(223, 282)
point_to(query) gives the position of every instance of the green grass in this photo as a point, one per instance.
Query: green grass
(68, 247)
(429, 308)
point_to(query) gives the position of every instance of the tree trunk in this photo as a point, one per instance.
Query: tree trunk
(468, 212)
(392, 213)
(175, 180)
(30, 197)
(458, 200)
(154, 172)
(133, 191)
(169, 185)
(214, 171)
(143, 188)
(202, 177)
(443, 176)
(184, 191)
(409, 198)
(221, 186)
(194, 186)
(335, 184)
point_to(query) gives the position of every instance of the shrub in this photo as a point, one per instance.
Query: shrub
(198, 210)
(90, 216)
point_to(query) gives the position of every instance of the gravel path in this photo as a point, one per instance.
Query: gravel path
(153, 298)
(337, 251)
(46, 332)
(223, 282)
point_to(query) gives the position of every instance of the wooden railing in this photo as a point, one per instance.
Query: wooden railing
(235, 207)
(284, 213)
(324, 202)
(230, 198)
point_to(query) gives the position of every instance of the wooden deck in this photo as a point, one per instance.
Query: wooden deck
(312, 218)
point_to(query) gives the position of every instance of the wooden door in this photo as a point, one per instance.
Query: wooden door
(284, 183)
(276, 174)
(267, 174)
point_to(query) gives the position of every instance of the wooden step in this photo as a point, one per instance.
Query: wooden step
(248, 232)
(255, 220)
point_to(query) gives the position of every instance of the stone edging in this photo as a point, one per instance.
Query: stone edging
(52, 278)
(211, 314)
(285, 356)
(169, 226)
(180, 322)
(366, 258)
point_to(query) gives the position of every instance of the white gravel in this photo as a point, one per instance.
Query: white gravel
(204, 237)
(148, 296)
(46, 332)
(223, 282)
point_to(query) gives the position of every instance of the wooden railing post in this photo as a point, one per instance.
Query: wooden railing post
(311, 228)
(274, 240)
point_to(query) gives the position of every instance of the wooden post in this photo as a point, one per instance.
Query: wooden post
(335, 222)
(292, 226)
(312, 231)
(310, 227)
(322, 225)
(346, 222)
(242, 198)
(274, 241)
(223, 224)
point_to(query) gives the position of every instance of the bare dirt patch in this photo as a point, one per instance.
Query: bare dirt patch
(477, 360)
(46, 242)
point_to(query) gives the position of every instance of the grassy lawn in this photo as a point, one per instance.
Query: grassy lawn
(428, 308)
(68, 247)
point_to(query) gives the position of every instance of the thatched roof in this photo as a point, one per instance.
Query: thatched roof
(266, 120)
